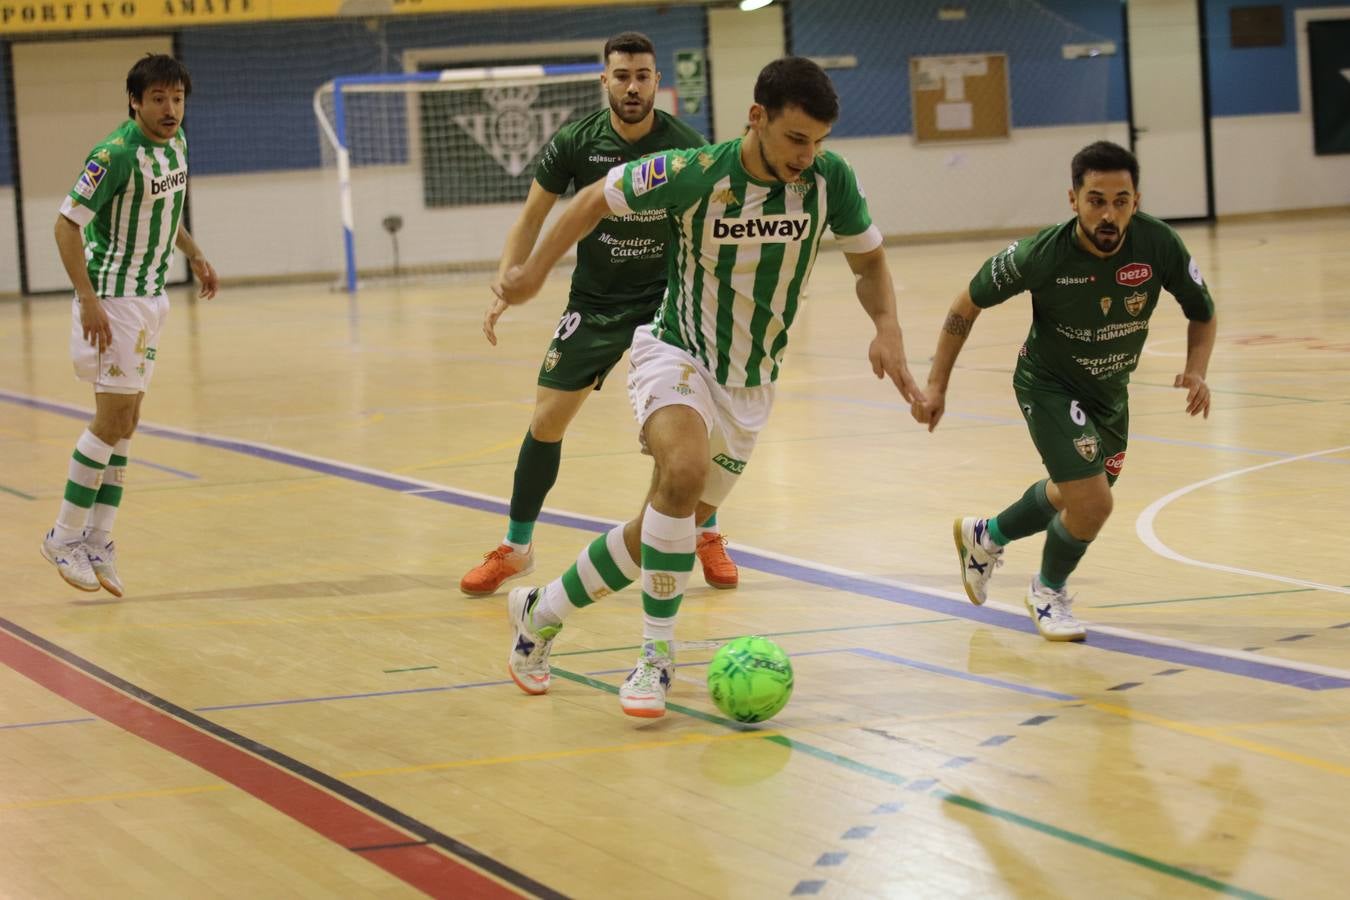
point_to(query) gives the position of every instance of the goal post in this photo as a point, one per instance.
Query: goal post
(442, 139)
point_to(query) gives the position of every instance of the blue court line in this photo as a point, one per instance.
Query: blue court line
(807, 573)
(964, 676)
(163, 468)
(1188, 656)
(51, 722)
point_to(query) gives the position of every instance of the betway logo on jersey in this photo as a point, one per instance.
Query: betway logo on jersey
(779, 229)
(174, 181)
(1134, 274)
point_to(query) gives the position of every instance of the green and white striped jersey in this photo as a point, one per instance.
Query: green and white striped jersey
(744, 249)
(129, 201)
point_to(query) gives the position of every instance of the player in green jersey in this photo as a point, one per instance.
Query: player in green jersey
(617, 285)
(749, 215)
(1094, 283)
(116, 234)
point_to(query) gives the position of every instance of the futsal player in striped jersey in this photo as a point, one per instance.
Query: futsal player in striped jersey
(748, 216)
(617, 286)
(116, 233)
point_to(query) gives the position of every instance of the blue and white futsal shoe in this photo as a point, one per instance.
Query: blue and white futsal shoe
(528, 662)
(1052, 611)
(979, 556)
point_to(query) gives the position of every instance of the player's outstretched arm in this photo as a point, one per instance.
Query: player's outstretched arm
(520, 283)
(876, 293)
(519, 242)
(960, 318)
(1199, 346)
(206, 275)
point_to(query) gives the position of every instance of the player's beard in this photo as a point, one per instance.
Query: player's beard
(627, 114)
(1107, 242)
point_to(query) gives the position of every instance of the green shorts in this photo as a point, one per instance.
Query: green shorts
(1073, 442)
(587, 344)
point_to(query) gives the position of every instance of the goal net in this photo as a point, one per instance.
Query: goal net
(430, 167)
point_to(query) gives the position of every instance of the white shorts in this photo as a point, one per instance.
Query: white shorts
(126, 365)
(663, 375)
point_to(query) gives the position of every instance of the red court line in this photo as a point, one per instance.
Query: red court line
(422, 867)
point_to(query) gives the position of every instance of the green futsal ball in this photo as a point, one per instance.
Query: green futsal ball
(750, 679)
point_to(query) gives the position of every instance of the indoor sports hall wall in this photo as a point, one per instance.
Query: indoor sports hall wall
(1261, 123)
(263, 205)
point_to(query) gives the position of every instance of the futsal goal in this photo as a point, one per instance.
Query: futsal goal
(430, 167)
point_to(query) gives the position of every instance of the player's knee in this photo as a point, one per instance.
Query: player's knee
(112, 425)
(549, 423)
(1094, 508)
(547, 431)
(681, 482)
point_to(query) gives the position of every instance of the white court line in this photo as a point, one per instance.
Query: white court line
(1143, 526)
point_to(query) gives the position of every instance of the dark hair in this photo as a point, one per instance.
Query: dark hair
(153, 69)
(1103, 156)
(629, 42)
(797, 81)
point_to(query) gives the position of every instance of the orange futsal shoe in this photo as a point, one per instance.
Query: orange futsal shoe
(718, 569)
(497, 568)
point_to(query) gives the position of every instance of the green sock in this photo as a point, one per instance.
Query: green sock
(536, 471)
(1027, 516)
(1061, 555)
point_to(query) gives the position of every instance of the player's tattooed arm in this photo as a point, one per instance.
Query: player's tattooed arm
(955, 328)
(957, 325)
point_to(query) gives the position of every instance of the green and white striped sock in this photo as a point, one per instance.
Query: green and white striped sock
(109, 496)
(603, 568)
(83, 479)
(667, 560)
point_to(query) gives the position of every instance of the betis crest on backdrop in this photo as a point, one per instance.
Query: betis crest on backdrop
(515, 130)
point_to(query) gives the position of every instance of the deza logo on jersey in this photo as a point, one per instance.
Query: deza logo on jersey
(174, 181)
(1134, 274)
(779, 229)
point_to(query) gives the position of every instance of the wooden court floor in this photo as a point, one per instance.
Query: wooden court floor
(294, 700)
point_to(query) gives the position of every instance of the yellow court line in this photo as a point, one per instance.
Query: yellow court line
(1214, 734)
(1298, 723)
(289, 620)
(695, 740)
(113, 798)
(459, 457)
(685, 741)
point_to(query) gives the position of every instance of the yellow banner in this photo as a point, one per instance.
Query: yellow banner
(49, 16)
